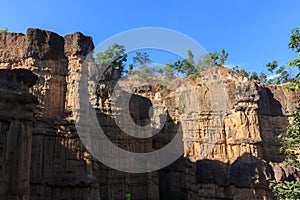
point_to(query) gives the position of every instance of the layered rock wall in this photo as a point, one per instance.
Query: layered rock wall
(229, 125)
(16, 127)
(59, 168)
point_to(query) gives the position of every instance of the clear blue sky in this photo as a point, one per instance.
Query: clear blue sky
(252, 32)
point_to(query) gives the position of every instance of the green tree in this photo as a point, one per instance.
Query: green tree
(223, 57)
(214, 57)
(217, 58)
(241, 71)
(143, 68)
(244, 72)
(290, 139)
(114, 56)
(295, 46)
(130, 69)
(141, 59)
(254, 76)
(204, 63)
(4, 30)
(272, 65)
(280, 75)
(169, 70)
(185, 66)
(189, 63)
(143, 73)
(262, 77)
(178, 67)
(294, 43)
(190, 57)
(159, 70)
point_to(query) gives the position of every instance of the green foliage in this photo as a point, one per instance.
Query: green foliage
(280, 75)
(254, 76)
(286, 189)
(188, 67)
(143, 73)
(244, 72)
(241, 71)
(204, 63)
(295, 40)
(143, 68)
(4, 30)
(169, 70)
(272, 65)
(214, 57)
(141, 59)
(159, 70)
(130, 69)
(295, 46)
(223, 57)
(114, 56)
(218, 59)
(184, 67)
(194, 76)
(262, 77)
(290, 139)
(190, 58)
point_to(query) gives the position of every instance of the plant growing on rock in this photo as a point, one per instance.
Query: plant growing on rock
(290, 139)
(4, 30)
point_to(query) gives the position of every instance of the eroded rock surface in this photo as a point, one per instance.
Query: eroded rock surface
(229, 125)
(16, 127)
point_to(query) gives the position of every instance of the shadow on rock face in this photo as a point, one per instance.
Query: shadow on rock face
(246, 171)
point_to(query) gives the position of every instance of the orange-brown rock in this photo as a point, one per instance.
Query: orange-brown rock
(229, 123)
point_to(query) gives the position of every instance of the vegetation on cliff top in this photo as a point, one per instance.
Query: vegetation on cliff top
(142, 69)
(4, 30)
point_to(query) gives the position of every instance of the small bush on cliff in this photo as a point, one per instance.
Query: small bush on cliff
(4, 30)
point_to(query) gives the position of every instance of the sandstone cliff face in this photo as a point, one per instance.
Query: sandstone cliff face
(244, 155)
(236, 163)
(58, 169)
(16, 127)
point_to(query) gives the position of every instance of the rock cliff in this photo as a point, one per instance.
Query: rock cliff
(42, 156)
(16, 126)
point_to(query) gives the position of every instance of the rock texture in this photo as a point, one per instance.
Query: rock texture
(229, 125)
(16, 127)
(59, 168)
(244, 156)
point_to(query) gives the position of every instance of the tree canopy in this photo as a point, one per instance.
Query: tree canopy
(114, 56)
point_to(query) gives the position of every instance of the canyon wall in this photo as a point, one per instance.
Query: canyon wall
(16, 126)
(236, 162)
(59, 168)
